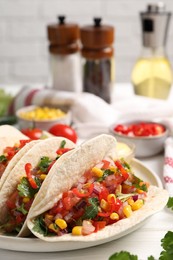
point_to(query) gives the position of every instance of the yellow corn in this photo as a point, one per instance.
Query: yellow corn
(137, 204)
(42, 113)
(61, 223)
(52, 227)
(110, 196)
(127, 210)
(77, 231)
(97, 172)
(113, 169)
(43, 176)
(104, 204)
(140, 191)
(26, 199)
(114, 216)
(130, 201)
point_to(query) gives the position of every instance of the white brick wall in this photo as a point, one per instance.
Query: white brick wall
(23, 38)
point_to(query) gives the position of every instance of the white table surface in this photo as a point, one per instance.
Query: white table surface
(143, 242)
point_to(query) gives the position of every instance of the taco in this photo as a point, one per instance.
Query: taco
(92, 196)
(9, 135)
(11, 155)
(25, 180)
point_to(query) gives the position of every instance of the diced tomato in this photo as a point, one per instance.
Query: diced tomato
(99, 225)
(70, 200)
(23, 142)
(105, 164)
(104, 214)
(2, 169)
(103, 193)
(115, 205)
(11, 202)
(10, 151)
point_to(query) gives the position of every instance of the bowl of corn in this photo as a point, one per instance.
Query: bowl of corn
(42, 117)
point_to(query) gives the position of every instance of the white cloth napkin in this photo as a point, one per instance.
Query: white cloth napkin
(168, 166)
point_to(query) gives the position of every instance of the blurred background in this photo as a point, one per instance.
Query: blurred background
(23, 35)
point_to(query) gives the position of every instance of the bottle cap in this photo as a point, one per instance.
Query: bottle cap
(97, 35)
(63, 37)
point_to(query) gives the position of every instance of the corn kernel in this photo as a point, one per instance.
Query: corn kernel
(42, 113)
(114, 216)
(113, 169)
(52, 227)
(110, 196)
(43, 176)
(97, 172)
(26, 199)
(127, 210)
(104, 204)
(77, 231)
(137, 204)
(61, 223)
(140, 191)
(130, 201)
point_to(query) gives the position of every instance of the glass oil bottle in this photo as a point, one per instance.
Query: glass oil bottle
(152, 74)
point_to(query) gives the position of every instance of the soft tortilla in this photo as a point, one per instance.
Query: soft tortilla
(47, 147)
(156, 200)
(67, 170)
(9, 135)
(80, 160)
(15, 159)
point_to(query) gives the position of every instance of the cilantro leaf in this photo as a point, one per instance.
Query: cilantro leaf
(137, 182)
(91, 210)
(170, 203)
(39, 226)
(123, 255)
(167, 244)
(3, 158)
(25, 190)
(44, 163)
(22, 209)
(106, 173)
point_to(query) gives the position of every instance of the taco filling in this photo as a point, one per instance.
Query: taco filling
(9, 152)
(21, 199)
(105, 194)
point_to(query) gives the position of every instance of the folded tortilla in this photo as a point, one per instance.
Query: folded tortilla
(67, 172)
(15, 159)
(47, 147)
(10, 135)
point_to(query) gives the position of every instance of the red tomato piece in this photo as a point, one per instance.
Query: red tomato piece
(99, 225)
(32, 133)
(65, 131)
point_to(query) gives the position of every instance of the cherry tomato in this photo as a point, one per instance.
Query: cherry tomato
(140, 129)
(65, 131)
(32, 133)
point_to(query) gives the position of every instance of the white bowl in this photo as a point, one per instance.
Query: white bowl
(145, 146)
(41, 124)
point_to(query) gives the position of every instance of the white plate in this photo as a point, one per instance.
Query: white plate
(38, 245)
